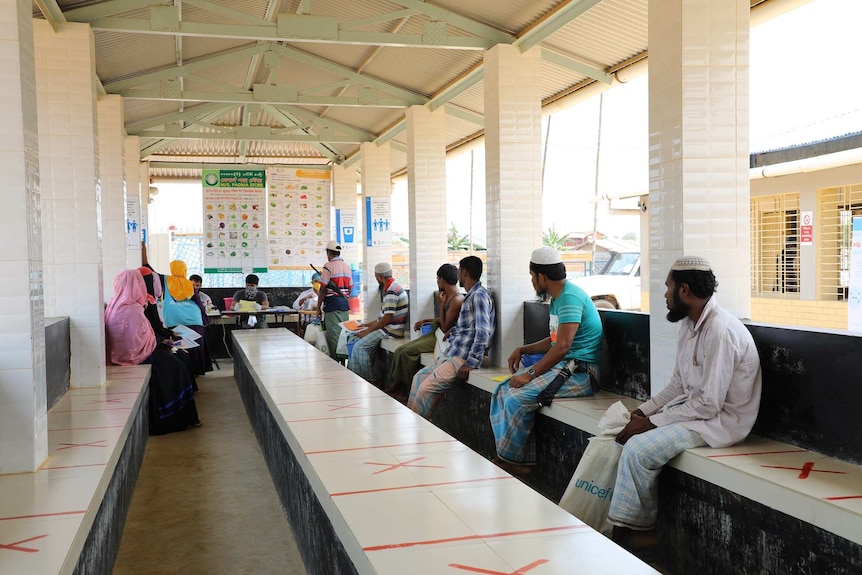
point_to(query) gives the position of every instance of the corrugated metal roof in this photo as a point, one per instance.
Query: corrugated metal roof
(606, 34)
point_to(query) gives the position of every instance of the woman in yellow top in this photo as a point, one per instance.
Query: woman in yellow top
(182, 306)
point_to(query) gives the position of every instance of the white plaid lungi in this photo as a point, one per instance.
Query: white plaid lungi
(635, 503)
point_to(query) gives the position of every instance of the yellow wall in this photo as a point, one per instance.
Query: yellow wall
(816, 314)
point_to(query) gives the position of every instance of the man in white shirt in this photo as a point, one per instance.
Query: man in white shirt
(712, 399)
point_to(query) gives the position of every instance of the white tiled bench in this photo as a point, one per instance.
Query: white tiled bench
(399, 494)
(46, 517)
(820, 490)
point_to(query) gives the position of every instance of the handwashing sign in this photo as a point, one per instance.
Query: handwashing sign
(378, 222)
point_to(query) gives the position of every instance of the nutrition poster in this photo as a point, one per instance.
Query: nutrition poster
(234, 221)
(298, 217)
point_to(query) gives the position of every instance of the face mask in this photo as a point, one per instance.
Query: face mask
(250, 292)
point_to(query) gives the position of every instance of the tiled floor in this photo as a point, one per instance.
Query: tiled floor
(45, 516)
(415, 500)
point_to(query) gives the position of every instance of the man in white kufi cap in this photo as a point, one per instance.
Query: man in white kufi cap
(336, 281)
(712, 399)
(391, 322)
(574, 345)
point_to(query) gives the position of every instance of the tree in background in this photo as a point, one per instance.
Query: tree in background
(456, 241)
(552, 238)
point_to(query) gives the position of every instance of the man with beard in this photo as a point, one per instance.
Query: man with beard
(391, 322)
(468, 341)
(575, 334)
(254, 295)
(712, 399)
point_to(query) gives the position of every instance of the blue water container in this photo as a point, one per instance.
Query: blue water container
(426, 328)
(528, 359)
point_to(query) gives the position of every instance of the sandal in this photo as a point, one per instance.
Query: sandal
(197, 423)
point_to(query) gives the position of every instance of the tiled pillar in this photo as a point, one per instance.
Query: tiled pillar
(132, 176)
(111, 166)
(426, 188)
(376, 183)
(698, 142)
(513, 178)
(344, 198)
(68, 155)
(144, 171)
(23, 402)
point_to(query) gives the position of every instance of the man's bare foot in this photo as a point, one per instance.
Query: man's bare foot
(516, 469)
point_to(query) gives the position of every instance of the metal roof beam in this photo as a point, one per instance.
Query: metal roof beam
(577, 67)
(155, 147)
(102, 9)
(236, 134)
(551, 23)
(493, 35)
(186, 68)
(286, 119)
(52, 12)
(466, 115)
(270, 31)
(301, 116)
(387, 17)
(252, 98)
(208, 166)
(194, 113)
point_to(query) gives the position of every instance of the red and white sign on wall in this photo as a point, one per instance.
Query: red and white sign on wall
(806, 229)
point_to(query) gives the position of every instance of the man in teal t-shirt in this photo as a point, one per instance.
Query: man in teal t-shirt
(575, 334)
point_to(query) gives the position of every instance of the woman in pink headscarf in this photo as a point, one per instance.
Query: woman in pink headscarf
(131, 341)
(130, 338)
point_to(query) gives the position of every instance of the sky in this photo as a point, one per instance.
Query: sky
(805, 85)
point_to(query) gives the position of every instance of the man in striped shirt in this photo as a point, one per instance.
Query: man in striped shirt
(392, 321)
(336, 281)
(468, 341)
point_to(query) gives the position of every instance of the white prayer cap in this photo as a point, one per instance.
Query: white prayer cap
(383, 268)
(691, 263)
(546, 256)
(333, 246)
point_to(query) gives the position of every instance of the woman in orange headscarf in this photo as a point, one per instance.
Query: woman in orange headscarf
(182, 306)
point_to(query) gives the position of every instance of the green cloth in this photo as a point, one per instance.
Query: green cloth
(405, 360)
(331, 319)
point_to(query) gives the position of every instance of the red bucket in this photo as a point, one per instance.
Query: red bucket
(228, 303)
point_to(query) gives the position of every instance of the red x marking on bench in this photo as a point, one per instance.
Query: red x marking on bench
(390, 467)
(519, 571)
(337, 407)
(88, 444)
(16, 545)
(805, 470)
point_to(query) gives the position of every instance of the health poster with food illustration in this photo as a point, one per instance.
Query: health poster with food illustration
(298, 217)
(234, 221)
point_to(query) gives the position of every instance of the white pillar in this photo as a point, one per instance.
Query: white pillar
(132, 176)
(426, 188)
(513, 179)
(72, 234)
(23, 401)
(376, 183)
(111, 167)
(344, 198)
(698, 141)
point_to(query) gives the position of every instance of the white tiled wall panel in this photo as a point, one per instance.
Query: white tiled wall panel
(344, 198)
(23, 413)
(111, 174)
(375, 183)
(426, 174)
(698, 142)
(132, 178)
(71, 194)
(513, 176)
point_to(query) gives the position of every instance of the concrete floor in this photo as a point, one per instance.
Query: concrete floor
(204, 502)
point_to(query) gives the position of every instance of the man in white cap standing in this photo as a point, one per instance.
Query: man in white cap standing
(574, 345)
(712, 399)
(391, 322)
(336, 281)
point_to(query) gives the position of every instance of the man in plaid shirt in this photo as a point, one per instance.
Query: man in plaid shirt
(468, 341)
